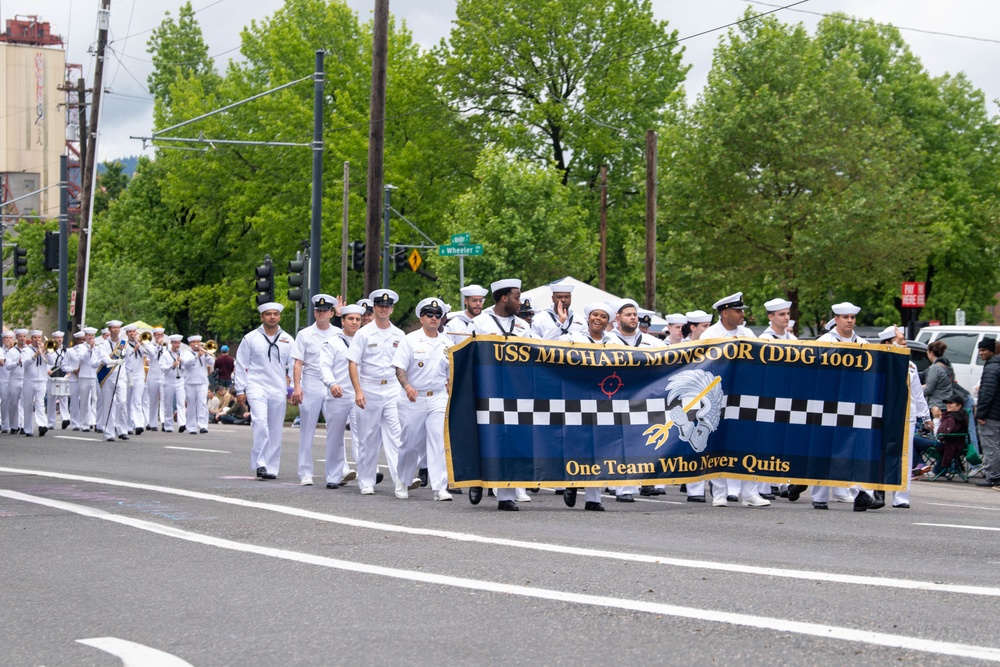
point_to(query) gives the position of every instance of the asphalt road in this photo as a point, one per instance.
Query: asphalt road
(164, 550)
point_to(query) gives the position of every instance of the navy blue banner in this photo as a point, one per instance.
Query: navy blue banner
(532, 413)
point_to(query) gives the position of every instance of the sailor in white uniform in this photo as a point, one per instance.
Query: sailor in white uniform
(675, 327)
(340, 409)
(71, 367)
(421, 363)
(697, 322)
(173, 386)
(109, 361)
(87, 377)
(559, 320)
(15, 380)
(459, 324)
(261, 379)
(375, 390)
(8, 342)
(307, 381)
(155, 350)
(779, 328)
(36, 362)
(135, 368)
(196, 365)
(57, 406)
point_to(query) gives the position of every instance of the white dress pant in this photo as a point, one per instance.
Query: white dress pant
(136, 415)
(338, 412)
(12, 404)
(721, 488)
(197, 405)
(267, 417)
(378, 428)
(114, 411)
(87, 405)
(60, 402)
(422, 426)
(314, 403)
(173, 399)
(74, 400)
(33, 404)
(900, 497)
(154, 392)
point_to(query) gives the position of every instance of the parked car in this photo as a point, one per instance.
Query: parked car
(963, 348)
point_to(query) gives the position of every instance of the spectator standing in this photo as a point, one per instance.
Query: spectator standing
(988, 413)
(224, 366)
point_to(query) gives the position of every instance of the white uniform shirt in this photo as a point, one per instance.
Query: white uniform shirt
(263, 362)
(166, 363)
(424, 360)
(102, 356)
(584, 337)
(719, 331)
(195, 369)
(85, 359)
(135, 361)
(333, 363)
(36, 365)
(373, 349)
(832, 336)
(638, 339)
(918, 404)
(546, 324)
(15, 364)
(458, 325)
(491, 323)
(155, 354)
(769, 333)
(307, 348)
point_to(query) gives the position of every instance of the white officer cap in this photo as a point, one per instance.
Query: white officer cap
(888, 333)
(676, 318)
(560, 288)
(473, 290)
(174, 338)
(58, 333)
(430, 303)
(194, 339)
(644, 314)
(157, 330)
(621, 305)
(383, 297)
(366, 303)
(734, 301)
(21, 332)
(36, 332)
(504, 284)
(352, 310)
(8, 334)
(270, 305)
(79, 334)
(113, 323)
(845, 308)
(131, 327)
(597, 305)
(89, 330)
(697, 317)
(775, 305)
(324, 302)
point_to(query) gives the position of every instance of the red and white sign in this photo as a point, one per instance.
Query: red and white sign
(913, 295)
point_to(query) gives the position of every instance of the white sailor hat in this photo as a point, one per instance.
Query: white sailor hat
(560, 288)
(621, 305)
(21, 332)
(352, 309)
(323, 302)
(473, 290)
(8, 334)
(56, 334)
(506, 283)
(733, 301)
(79, 334)
(270, 305)
(131, 327)
(430, 304)
(597, 305)
(888, 333)
(775, 305)
(383, 297)
(36, 332)
(195, 338)
(105, 331)
(113, 323)
(829, 325)
(845, 308)
(157, 330)
(676, 318)
(175, 338)
(697, 317)
(89, 330)
(447, 308)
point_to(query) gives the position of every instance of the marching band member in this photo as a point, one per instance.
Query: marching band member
(340, 409)
(307, 381)
(56, 372)
(458, 324)
(5, 368)
(261, 379)
(87, 378)
(373, 378)
(173, 386)
(71, 367)
(558, 320)
(109, 361)
(154, 350)
(36, 363)
(421, 362)
(16, 381)
(196, 364)
(697, 322)
(135, 369)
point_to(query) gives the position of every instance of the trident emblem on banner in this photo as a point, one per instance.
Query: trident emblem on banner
(704, 390)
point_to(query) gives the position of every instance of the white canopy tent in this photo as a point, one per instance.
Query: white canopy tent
(541, 298)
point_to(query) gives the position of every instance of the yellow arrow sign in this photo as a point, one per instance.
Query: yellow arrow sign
(415, 260)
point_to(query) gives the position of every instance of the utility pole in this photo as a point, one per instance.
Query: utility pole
(650, 219)
(345, 236)
(602, 280)
(376, 141)
(386, 251)
(89, 159)
(317, 184)
(64, 249)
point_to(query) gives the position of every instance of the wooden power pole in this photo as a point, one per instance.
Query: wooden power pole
(651, 219)
(376, 144)
(602, 279)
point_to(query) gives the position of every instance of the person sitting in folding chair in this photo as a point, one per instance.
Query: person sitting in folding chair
(952, 433)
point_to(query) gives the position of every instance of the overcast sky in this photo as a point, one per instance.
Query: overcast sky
(973, 45)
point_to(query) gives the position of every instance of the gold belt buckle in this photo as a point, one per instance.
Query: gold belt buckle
(430, 393)
(384, 382)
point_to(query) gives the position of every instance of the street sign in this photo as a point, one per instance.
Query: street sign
(470, 250)
(461, 239)
(415, 260)
(913, 295)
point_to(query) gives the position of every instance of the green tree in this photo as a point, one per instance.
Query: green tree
(179, 51)
(110, 186)
(39, 289)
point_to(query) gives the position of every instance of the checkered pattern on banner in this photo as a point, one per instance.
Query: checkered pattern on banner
(561, 412)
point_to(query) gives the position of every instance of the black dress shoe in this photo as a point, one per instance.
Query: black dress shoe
(138, 430)
(379, 477)
(593, 507)
(422, 476)
(490, 493)
(879, 495)
(182, 429)
(29, 435)
(696, 499)
(625, 498)
(529, 490)
(647, 491)
(732, 499)
(65, 424)
(42, 430)
(331, 485)
(796, 490)
(123, 437)
(985, 483)
(261, 471)
(865, 502)
(455, 492)
(203, 430)
(820, 506)
(901, 506)
(569, 497)
(475, 494)
(269, 475)
(507, 506)
(152, 428)
(684, 488)
(784, 494)
(767, 496)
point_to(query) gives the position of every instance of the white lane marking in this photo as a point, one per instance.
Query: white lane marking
(733, 568)
(73, 437)
(968, 507)
(133, 654)
(955, 525)
(219, 430)
(746, 620)
(195, 449)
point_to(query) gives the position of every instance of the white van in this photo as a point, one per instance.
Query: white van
(963, 349)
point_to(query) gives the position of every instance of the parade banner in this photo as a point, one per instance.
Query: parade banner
(526, 413)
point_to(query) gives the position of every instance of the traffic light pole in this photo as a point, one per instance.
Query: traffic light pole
(317, 185)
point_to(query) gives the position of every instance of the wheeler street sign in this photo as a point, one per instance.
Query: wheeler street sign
(470, 250)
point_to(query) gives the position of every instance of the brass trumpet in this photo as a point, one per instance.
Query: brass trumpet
(145, 337)
(50, 345)
(211, 346)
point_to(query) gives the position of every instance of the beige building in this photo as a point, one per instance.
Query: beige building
(32, 116)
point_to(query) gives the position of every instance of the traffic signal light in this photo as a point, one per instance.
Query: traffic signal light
(357, 255)
(296, 280)
(399, 258)
(50, 260)
(20, 261)
(265, 282)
